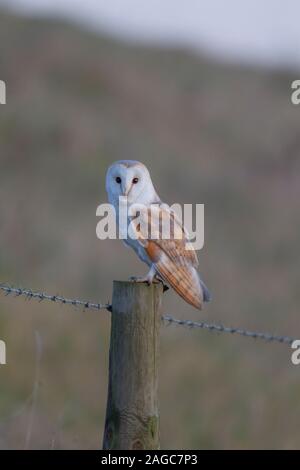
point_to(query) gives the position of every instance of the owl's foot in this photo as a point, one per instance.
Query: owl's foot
(149, 280)
(165, 287)
(143, 279)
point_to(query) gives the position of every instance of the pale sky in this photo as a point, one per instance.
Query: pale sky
(258, 31)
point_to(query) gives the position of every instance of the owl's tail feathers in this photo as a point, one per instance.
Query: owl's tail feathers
(206, 293)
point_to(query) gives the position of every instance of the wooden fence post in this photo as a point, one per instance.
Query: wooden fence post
(132, 418)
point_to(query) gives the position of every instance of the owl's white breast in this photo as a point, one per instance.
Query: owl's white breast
(139, 250)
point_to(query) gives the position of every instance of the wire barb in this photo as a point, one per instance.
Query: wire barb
(29, 294)
(223, 329)
(167, 319)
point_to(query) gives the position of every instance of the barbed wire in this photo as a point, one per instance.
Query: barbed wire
(225, 329)
(167, 319)
(40, 296)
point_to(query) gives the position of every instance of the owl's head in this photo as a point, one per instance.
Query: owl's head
(131, 179)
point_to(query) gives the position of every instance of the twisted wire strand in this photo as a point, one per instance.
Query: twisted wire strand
(40, 296)
(167, 319)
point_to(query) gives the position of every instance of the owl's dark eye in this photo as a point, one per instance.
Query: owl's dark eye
(135, 180)
(118, 180)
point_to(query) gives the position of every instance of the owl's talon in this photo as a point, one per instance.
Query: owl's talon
(151, 278)
(139, 279)
(165, 287)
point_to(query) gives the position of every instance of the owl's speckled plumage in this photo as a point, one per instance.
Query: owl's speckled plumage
(168, 259)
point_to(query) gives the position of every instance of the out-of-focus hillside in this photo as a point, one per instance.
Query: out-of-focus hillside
(224, 136)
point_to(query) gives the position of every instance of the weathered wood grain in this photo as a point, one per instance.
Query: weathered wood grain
(132, 417)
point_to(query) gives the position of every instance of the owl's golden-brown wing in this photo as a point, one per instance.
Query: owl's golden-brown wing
(174, 258)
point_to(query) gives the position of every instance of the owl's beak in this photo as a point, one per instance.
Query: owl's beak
(126, 190)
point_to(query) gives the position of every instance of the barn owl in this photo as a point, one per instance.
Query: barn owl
(169, 260)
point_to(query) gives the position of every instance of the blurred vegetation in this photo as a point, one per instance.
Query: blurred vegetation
(223, 135)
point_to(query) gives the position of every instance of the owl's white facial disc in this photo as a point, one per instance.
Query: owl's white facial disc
(131, 179)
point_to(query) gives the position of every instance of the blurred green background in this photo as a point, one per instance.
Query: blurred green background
(223, 135)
